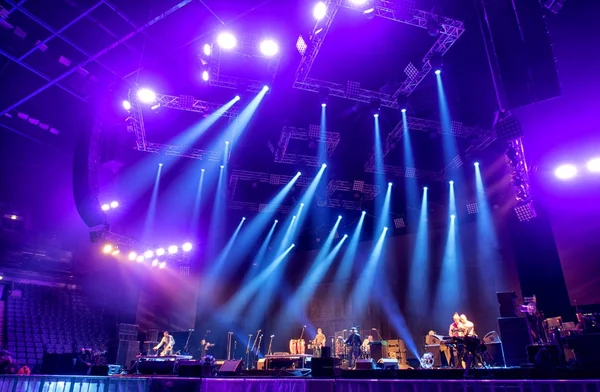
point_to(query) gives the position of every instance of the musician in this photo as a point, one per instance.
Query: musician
(366, 347)
(468, 326)
(204, 347)
(354, 342)
(580, 326)
(318, 342)
(167, 342)
(83, 361)
(456, 328)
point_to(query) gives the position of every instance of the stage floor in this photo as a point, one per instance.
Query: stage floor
(39, 383)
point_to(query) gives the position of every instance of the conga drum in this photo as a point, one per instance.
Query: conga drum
(293, 346)
(301, 347)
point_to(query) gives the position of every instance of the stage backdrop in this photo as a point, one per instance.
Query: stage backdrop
(565, 130)
(405, 299)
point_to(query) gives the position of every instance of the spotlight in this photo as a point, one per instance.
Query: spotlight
(222, 166)
(114, 204)
(276, 221)
(162, 265)
(227, 41)
(476, 164)
(359, 2)
(339, 217)
(207, 50)
(154, 262)
(389, 184)
(452, 216)
(299, 173)
(301, 204)
(132, 256)
(226, 141)
(188, 246)
(148, 254)
(108, 248)
(269, 48)
(345, 235)
(126, 105)
(323, 105)
(594, 165)
(324, 165)
(172, 249)
(565, 172)
(205, 76)
(140, 259)
(425, 188)
(105, 207)
(320, 10)
(364, 212)
(265, 88)
(237, 97)
(376, 115)
(243, 218)
(160, 251)
(146, 95)
(385, 229)
(451, 182)
(115, 252)
(403, 110)
(293, 245)
(13, 217)
(438, 71)
(160, 164)
(294, 217)
(202, 170)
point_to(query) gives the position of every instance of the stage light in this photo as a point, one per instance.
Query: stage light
(160, 164)
(207, 50)
(148, 254)
(299, 173)
(146, 95)
(154, 262)
(237, 97)
(376, 115)
(385, 228)
(301, 204)
(565, 172)
(269, 48)
(451, 182)
(222, 166)
(162, 265)
(140, 259)
(105, 207)
(320, 10)
(132, 256)
(324, 165)
(438, 71)
(114, 204)
(243, 218)
(226, 141)
(202, 170)
(227, 41)
(359, 2)
(126, 105)
(276, 221)
(389, 184)
(172, 249)
(364, 212)
(425, 188)
(452, 216)
(293, 245)
(188, 246)
(476, 164)
(265, 88)
(403, 110)
(13, 217)
(339, 217)
(160, 251)
(594, 165)
(115, 252)
(107, 248)
(345, 235)
(205, 76)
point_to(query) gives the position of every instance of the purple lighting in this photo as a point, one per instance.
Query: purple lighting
(565, 172)
(205, 76)
(227, 41)
(146, 95)
(358, 2)
(320, 10)
(269, 48)
(126, 105)
(188, 246)
(207, 49)
(594, 165)
(105, 207)
(438, 71)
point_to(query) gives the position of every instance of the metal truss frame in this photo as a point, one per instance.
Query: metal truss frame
(481, 139)
(76, 68)
(367, 191)
(313, 133)
(248, 45)
(449, 32)
(264, 178)
(183, 102)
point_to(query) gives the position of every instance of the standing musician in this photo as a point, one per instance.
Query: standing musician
(204, 347)
(167, 342)
(354, 342)
(318, 342)
(366, 347)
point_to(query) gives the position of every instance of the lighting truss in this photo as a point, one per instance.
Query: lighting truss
(301, 135)
(348, 195)
(261, 178)
(449, 32)
(135, 124)
(247, 46)
(520, 179)
(480, 140)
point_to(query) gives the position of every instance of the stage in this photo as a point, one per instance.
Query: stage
(351, 381)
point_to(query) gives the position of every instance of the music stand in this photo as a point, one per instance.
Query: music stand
(376, 348)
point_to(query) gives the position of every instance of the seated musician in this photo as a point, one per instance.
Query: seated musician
(318, 342)
(468, 326)
(354, 342)
(366, 348)
(456, 330)
(167, 342)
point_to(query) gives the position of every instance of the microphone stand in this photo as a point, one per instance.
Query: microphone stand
(186, 348)
(258, 347)
(378, 334)
(248, 351)
(253, 351)
(269, 352)
(229, 335)
(234, 348)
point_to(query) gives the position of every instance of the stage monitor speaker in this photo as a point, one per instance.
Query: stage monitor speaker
(495, 350)
(387, 364)
(156, 367)
(261, 364)
(324, 368)
(515, 335)
(106, 370)
(195, 369)
(365, 364)
(233, 366)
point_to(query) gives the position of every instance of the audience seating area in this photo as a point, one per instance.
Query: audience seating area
(43, 319)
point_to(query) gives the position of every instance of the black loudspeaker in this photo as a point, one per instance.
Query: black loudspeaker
(324, 368)
(127, 352)
(545, 356)
(156, 367)
(508, 304)
(195, 369)
(365, 364)
(233, 366)
(325, 352)
(515, 339)
(495, 350)
(523, 47)
(387, 364)
(99, 371)
(437, 357)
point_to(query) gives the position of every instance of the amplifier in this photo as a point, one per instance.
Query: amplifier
(365, 364)
(387, 364)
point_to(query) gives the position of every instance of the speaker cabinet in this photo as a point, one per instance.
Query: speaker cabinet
(437, 357)
(515, 339)
(387, 364)
(233, 366)
(324, 368)
(156, 367)
(544, 356)
(365, 364)
(495, 350)
(261, 364)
